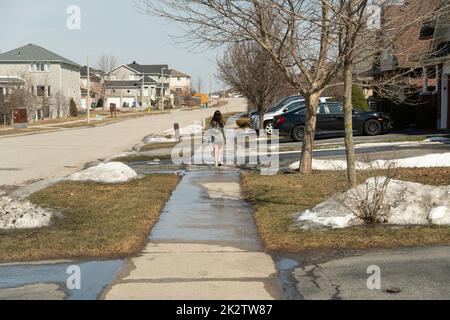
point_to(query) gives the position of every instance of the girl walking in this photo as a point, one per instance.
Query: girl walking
(217, 131)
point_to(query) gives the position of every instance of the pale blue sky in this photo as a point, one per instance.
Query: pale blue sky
(113, 27)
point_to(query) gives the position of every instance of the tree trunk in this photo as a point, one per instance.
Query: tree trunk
(261, 120)
(348, 120)
(312, 102)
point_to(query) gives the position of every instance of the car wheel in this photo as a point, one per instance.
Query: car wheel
(298, 133)
(372, 128)
(268, 126)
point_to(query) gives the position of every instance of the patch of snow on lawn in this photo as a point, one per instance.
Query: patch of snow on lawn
(421, 205)
(111, 172)
(427, 161)
(438, 139)
(440, 216)
(19, 214)
(187, 130)
(157, 139)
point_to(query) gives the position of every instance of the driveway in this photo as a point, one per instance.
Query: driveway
(57, 154)
(409, 274)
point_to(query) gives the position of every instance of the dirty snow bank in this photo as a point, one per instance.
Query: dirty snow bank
(19, 214)
(158, 139)
(187, 130)
(427, 161)
(438, 139)
(421, 205)
(111, 172)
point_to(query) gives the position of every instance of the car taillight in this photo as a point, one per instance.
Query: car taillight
(279, 120)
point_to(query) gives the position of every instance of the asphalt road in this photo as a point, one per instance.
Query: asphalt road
(57, 154)
(410, 274)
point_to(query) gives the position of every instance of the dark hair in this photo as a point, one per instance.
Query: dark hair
(217, 119)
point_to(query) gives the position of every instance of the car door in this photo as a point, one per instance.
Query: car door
(324, 119)
(336, 113)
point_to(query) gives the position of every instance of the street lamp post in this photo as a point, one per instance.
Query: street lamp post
(162, 88)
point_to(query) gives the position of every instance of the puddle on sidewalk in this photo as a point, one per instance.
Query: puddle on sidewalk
(49, 281)
(204, 208)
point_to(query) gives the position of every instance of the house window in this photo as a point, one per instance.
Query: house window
(427, 32)
(41, 91)
(39, 67)
(48, 91)
(179, 78)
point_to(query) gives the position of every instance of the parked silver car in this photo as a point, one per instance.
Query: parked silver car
(283, 106)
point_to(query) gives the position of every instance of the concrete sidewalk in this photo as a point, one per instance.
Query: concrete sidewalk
(205, 246)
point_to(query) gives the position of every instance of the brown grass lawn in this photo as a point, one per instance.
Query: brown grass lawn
(141, 157)
(99, 220)
(10, 131)
(276, 198)
(155, 146)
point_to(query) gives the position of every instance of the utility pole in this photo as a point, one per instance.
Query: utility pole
(210, 86)
(162, 88)
(142, 92)
(88, 99)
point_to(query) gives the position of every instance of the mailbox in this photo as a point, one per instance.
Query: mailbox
(20, 118)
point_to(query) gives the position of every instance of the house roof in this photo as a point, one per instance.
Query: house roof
(32, 53)
(150, 68)
(176, 73)
(11, 80)
(131, 84)
(83, 71)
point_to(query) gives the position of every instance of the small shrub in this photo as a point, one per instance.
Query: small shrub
(358, 99)
(73, 108)
(243, 122)
(372, 202)
(100, 103)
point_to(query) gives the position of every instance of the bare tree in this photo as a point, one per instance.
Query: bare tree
(372, 201)
(309, 40)
(371, 31)
(297, 34)
(250, 70)
(107, 62)
(15, 97)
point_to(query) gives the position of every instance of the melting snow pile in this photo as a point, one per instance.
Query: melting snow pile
(188, 130)
(420, 205)
(427, 161)
(438, 139)
(111, 172)
(157, 139)
(19, 214)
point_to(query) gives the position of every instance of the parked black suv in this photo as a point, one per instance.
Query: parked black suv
(330, 122)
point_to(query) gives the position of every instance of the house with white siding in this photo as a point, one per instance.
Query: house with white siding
(139, 86)
(51, 79)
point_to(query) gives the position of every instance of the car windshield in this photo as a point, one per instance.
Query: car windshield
(281, 103)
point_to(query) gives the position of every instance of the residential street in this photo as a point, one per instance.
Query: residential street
(57, 154)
